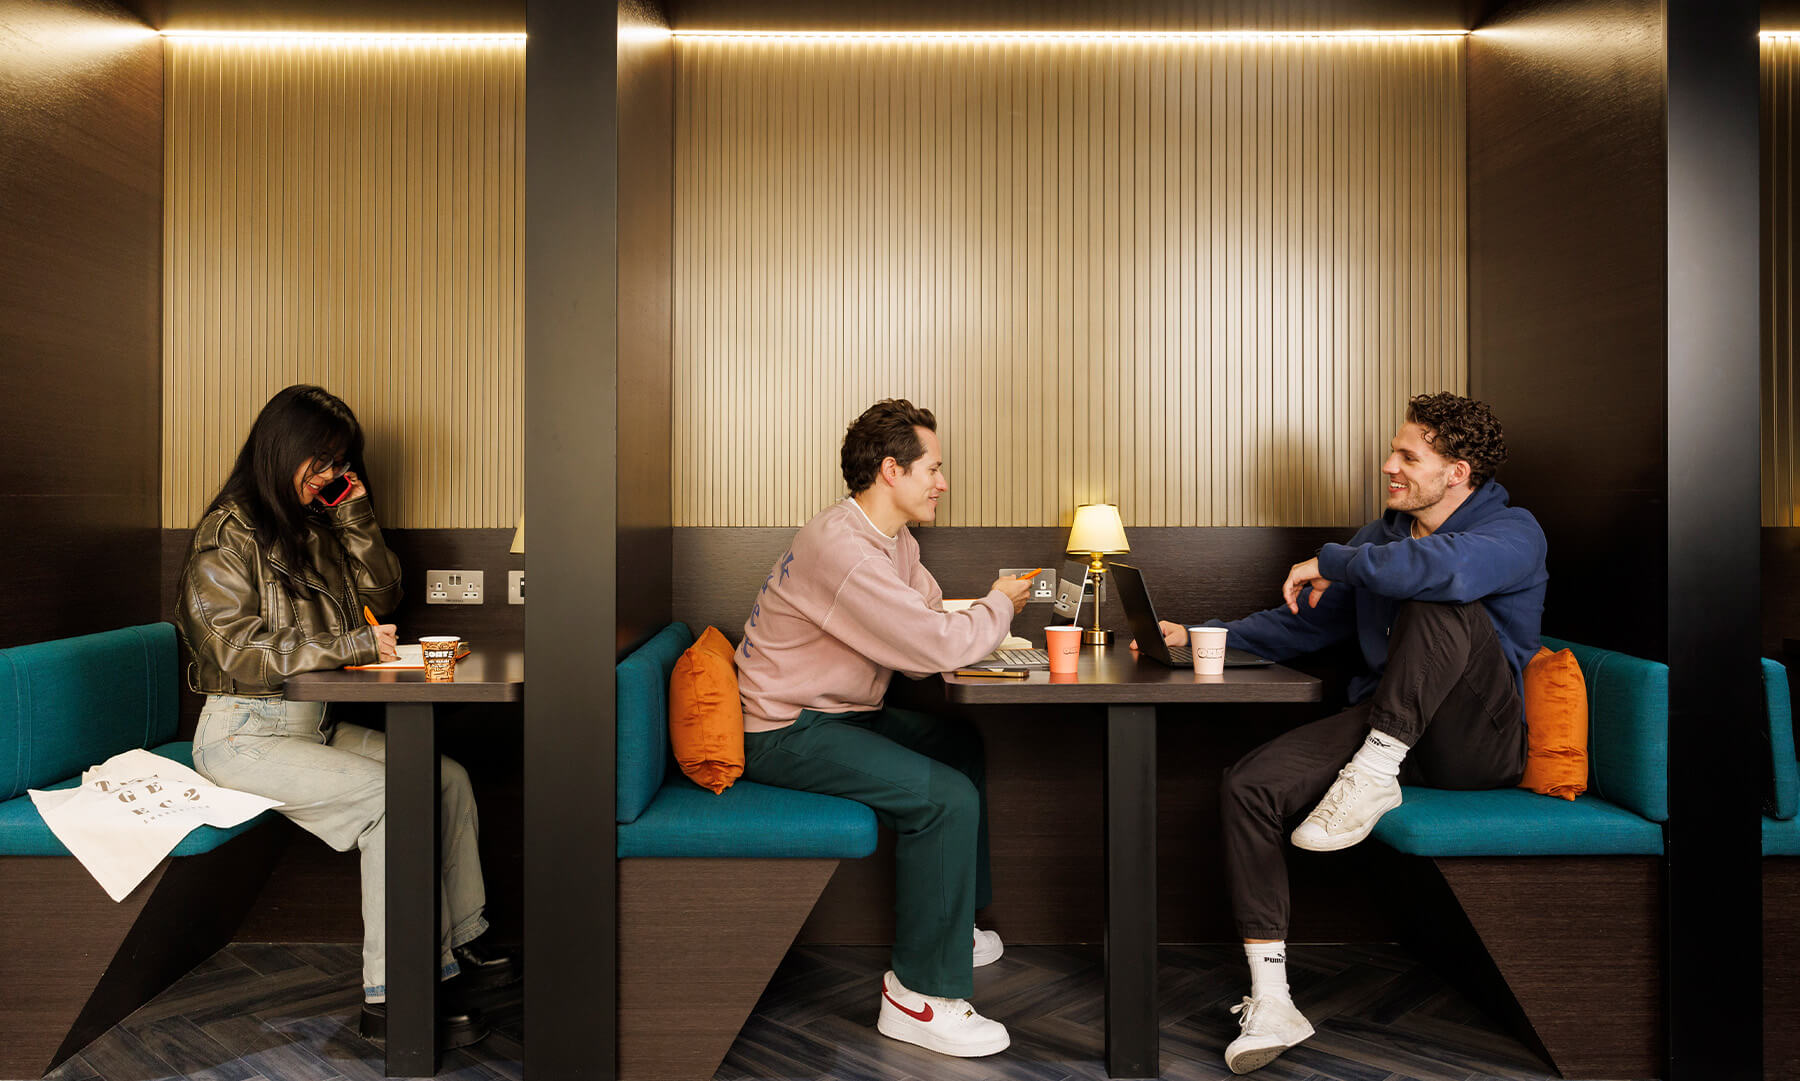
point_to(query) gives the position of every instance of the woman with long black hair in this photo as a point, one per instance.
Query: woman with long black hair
(282, 564)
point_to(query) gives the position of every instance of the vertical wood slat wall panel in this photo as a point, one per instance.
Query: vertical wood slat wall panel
(1194, 278)
(1780, 404)
(348, 214)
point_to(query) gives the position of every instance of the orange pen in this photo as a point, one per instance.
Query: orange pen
(1029, 574)
(370, 616)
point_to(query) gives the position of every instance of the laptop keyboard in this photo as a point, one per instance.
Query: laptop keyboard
(1181, 654)
(1020, 656)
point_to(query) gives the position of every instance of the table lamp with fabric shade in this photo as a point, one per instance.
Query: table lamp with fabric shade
(1097, 532)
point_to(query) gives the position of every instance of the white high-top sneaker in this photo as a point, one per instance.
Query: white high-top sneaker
(949, 1026)
(1270, 1026)
(987, 947)
(1350, 809)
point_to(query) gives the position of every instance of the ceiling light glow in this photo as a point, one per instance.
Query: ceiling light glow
(1060, 35)
(303, 37)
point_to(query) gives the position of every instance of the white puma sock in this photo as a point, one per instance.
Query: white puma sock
(1380, 755)
(1268, 970)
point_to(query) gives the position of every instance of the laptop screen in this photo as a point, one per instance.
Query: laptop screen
(1139, 611)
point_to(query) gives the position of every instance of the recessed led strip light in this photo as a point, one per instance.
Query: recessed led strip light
(1060, 35)
(329, 37)
(1779, 35)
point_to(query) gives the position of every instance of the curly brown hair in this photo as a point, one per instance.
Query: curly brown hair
(885, 430)
(1461, 429)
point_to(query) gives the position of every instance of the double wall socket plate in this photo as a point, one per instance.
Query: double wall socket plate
(1043, 584)
(454, 587)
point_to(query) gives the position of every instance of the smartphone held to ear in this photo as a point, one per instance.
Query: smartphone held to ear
(335, 492)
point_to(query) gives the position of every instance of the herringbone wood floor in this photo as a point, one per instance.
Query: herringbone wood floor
(288, 1013)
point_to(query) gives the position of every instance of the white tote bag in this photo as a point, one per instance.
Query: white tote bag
(132, 810)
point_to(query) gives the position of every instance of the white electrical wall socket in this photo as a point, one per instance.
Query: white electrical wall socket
(1043, 584)
(454, 587)
(515, 587)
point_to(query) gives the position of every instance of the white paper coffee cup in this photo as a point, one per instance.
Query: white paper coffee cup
(1208, 645)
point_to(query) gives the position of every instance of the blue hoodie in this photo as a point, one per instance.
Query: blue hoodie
(1486, 551)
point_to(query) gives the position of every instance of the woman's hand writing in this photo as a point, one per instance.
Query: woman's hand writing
(386, 641)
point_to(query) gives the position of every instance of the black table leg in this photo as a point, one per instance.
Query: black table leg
(1132, 1048)
(412, 890)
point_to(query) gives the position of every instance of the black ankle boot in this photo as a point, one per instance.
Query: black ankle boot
(484, 968)
(459, 1029)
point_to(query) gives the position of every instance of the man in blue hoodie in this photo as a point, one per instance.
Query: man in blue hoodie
(1444, 593)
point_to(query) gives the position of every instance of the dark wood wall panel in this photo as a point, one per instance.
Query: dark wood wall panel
(1192, 573)
(1781, 966)
(81, 176)
(1044, 777)
(1780, 588)
(1567, 305)
(646, 253)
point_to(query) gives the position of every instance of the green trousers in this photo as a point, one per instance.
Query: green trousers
(925, 778)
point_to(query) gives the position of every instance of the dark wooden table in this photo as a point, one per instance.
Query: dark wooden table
(413, 871)
(1130, 689)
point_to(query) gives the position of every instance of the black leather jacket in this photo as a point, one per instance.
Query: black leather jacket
(248, 626)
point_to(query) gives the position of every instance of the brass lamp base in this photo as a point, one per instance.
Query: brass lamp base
(1094, 636)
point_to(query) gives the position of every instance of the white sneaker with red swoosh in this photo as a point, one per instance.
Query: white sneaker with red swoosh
(949, 1026)
(988, 947)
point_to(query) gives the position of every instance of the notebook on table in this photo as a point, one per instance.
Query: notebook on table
(412, 655)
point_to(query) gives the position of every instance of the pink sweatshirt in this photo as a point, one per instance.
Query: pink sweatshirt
(842, 609)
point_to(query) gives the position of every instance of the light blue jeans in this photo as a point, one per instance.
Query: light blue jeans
(331, 779)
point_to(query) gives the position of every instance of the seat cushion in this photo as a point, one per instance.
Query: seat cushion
(68, 704)
(1781, 837)
(23, 833)
(748, 820)
(643, 718)
(706, 717)
(1628, 728)
(1514, 822)
(1784, 782)
(1556, 720)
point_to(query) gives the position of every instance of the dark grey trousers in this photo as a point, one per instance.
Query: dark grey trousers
(1447, 692)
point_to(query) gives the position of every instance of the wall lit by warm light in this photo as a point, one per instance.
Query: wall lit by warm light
(347, 210)
(1194, 278)
(1781, 358)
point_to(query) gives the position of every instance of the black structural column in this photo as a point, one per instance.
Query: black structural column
(1132, 1047)
(413, 885)
(571, 486)
(1713, 587)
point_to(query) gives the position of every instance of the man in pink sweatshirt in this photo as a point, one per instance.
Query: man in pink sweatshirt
(846, 606)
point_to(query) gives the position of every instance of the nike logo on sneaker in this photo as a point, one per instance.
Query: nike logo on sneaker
(916, 1015)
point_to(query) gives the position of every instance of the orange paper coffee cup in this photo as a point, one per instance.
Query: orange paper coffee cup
(1064, 646)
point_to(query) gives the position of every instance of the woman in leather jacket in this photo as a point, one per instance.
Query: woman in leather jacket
(275, 584)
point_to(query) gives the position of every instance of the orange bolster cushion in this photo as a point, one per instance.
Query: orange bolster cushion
(1556, 719)
(706, 720)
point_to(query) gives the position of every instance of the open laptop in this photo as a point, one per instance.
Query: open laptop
(1144, 627)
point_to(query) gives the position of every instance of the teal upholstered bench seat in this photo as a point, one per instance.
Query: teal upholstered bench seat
(1596, 862)
(76, 960)
(1514, 822)
(1620, 815)
(75, 702)
(712, 884)
(23, 832)
(748, 820)
(1781, 822)
(1781, 837)
(663, 814)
